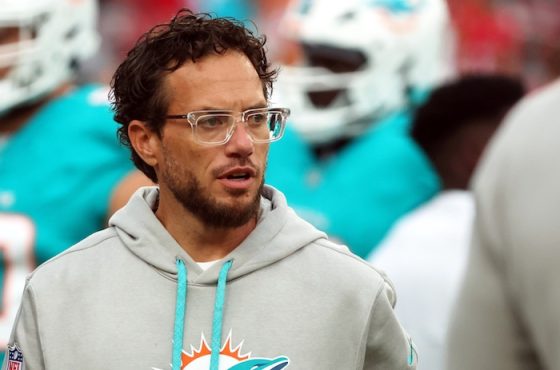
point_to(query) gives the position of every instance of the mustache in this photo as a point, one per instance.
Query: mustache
(241, 162)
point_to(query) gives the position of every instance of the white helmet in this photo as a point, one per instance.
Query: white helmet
(53, 36)
(361, 58)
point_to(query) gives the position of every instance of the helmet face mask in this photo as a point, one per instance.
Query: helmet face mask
(336, 61)
(14, 41)
(359, 61)
(44, 41)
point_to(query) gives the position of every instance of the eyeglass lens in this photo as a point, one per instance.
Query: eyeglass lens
(262, 126)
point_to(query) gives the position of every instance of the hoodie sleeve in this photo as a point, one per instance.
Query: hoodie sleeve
(506, 314)
(25, 337)
(388, 346)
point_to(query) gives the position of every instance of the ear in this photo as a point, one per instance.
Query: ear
(145, 142)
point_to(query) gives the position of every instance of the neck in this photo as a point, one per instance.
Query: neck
(202, 242)
(454, 181)
(18, 117)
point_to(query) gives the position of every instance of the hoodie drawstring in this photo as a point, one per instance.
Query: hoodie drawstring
(180, 311)
(218, 315)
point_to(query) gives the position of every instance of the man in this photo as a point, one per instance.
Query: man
(62, 170)
(347, 163)
(506, 316)
(211, 258)
(426, 252)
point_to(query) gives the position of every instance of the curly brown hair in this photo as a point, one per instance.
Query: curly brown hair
(137, 86)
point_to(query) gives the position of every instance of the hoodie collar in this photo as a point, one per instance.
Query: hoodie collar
(279, 233)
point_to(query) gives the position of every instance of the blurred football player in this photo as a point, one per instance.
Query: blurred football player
(425, 253)
(348, 164)
(62, 169)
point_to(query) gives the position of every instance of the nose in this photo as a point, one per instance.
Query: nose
(240, 144)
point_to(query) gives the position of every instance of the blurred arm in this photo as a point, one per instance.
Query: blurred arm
(125, 188)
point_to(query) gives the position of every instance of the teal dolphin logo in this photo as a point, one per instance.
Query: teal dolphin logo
(230, 358)
(397, 6)
(262, 364)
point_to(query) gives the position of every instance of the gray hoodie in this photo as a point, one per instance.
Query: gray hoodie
(506, 317)
(129, 297)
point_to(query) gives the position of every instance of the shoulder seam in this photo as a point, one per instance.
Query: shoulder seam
(325, 243)
(35, 312)
(72, 251)
(372, 308)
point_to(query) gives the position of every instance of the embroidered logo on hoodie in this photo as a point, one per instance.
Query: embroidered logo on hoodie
(230, 358)
(15, 357)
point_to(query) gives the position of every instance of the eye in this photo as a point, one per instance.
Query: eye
(257, 119)
(212, 121)
(9, 35)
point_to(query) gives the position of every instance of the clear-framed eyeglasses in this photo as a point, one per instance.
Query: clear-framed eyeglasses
(216, 127)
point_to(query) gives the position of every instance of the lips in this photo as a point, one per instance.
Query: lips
(238, 180)
(237, 173)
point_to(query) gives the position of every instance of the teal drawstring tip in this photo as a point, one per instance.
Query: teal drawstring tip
(180, 310)
(218, 316)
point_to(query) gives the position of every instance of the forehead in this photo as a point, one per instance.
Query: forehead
(226, 80)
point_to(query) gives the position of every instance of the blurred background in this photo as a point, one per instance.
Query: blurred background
(367, 155)
(513, 36)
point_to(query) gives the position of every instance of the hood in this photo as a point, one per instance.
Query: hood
(279, 233)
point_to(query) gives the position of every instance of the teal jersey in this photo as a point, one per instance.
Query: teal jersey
(357, 194)
(56, 177)
(243, 10)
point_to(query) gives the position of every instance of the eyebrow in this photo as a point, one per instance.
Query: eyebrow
(255, 106)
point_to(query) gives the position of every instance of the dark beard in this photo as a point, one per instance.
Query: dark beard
(197, 200)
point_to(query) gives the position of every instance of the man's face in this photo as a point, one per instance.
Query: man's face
(8, 36)
(221, 184)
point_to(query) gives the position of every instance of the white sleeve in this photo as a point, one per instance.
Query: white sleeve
(25, 343)
(388, 346)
